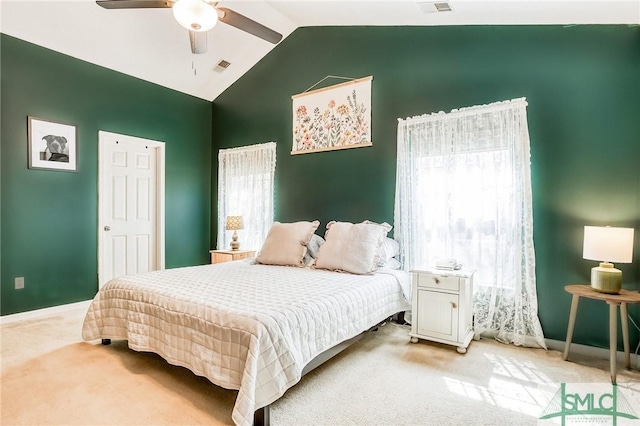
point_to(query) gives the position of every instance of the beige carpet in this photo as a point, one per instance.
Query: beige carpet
(49, 376)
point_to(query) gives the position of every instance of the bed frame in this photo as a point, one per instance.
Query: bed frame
(262, 416)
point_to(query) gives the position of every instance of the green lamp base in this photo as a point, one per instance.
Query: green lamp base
(606, 279)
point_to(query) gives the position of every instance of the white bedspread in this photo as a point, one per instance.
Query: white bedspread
(243, 326)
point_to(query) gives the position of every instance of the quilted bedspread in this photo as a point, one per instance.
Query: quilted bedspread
(243, 326)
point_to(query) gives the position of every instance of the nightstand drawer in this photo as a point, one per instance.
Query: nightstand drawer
(437, 281)
(220, 256)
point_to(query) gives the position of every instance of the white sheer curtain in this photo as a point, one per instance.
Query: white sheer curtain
(463, 190)
(246, 188)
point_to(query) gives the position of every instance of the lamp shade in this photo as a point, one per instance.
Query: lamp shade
(234, 223)
(195, 15)
(608, 244)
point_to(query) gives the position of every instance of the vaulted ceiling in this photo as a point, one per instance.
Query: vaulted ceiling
(151, 45)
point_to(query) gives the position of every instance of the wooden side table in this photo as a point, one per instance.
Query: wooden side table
(613, 300)
(219, 256)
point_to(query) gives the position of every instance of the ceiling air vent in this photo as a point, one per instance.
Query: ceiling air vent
(442, 7)
(222, 65)
(434, 6)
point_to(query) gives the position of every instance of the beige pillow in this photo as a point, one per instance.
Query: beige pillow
(286, 243)
(352, 247)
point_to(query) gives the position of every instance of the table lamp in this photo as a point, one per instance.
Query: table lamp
(233, 224)
(607, 244)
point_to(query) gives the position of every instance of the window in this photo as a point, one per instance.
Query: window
(463, 191)
(246, 188)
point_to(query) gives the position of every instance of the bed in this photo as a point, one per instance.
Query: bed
(243, 325)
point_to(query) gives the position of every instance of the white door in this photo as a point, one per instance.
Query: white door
(130, 205)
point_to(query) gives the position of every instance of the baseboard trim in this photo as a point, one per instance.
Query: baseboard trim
(591, 351)
(39, 313)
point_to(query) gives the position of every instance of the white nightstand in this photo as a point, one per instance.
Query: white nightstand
(219, 256)
(442, 306)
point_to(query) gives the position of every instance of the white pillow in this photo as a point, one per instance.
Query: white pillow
(388, 250)
(352, 247)
(286, 243)
(392, 263)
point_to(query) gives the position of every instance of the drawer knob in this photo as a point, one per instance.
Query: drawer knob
(454, 305)
(437, 280)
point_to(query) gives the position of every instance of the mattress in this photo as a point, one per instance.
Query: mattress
(241, 325)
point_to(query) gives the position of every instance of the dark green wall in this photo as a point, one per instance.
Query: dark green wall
(49, 218)
(582, 84)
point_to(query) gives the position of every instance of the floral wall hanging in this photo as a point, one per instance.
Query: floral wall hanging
(334, 117)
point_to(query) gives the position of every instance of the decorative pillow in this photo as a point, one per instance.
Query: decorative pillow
(312, 248)
(314, 245)
(286, 243)
(389, 247)
(352, 247)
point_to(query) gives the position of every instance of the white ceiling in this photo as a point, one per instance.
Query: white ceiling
(151, 45)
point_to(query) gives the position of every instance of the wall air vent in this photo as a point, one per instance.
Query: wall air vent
(434, 6)
(222, 65)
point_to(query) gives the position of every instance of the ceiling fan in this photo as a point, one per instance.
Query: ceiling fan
(199, 16)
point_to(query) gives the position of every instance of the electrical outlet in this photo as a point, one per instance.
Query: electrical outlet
(19, 282)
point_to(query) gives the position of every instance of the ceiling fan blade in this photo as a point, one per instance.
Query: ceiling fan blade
(134, 4)
(243, 23)
(198, 41)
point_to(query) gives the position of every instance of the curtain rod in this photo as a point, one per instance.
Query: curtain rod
(467, 111)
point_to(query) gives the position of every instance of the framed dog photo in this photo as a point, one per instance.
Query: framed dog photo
(52, 146)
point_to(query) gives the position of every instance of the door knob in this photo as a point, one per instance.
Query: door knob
(107, 228)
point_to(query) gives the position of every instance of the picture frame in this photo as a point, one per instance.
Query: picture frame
(332, 118)
(52, 145)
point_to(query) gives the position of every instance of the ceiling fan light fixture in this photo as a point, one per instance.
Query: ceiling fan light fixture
(195, 15)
